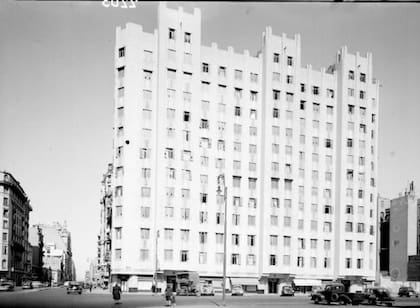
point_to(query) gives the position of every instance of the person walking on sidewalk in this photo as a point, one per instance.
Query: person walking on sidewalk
(116, 292)
(170, 297)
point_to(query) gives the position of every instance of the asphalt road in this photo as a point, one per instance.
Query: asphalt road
(57, 297)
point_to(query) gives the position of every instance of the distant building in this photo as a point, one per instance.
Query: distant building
(36, 240)
(15, 248)
(57, 252)
(384, 205)
(399, 234)
(104, 237)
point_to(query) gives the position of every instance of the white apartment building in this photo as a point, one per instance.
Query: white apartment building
(298, 148)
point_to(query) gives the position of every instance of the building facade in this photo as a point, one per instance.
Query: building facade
(57, 252)
(298, 148)
(15, 247)
(36, 241)
(384, 208)
(104, 237)
(403, 233)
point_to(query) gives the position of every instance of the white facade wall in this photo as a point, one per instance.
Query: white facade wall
(145, 109)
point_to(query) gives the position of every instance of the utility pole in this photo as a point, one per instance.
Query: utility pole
(221, 187)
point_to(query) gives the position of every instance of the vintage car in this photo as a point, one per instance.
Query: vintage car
(7, 285)
(287, 291)
(237, 290)
(407, 291)
(378, 296)
(75, 287)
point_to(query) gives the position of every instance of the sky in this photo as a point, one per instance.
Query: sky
(56, 89)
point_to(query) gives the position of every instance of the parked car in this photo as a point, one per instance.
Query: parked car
(378, 296)
(7, 285)
(407, 291)
(207, 289)
(335, 293)
(287, 291)
(237, 290)
(27, 285)
(37, 284)
(314, 291)
(75, 287)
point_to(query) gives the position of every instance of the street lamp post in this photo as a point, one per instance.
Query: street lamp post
(221, 187)
(156, 262)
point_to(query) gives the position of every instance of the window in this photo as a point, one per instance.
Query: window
(286, 241)
(254, 77)
(351, 75)
(187, 37)
(171, 34)
(273, 260)
(238, 74)
(121, 52)
(289, 79)
(235, 239)
(237, 181)
(276, 95)
(327, 244)
(251, 240)
(250, 260)
(273, 240)
(274, 220)
(275, 113)
(237, 111)
(330, 93)
(184, 255)
(359, 263)
(236, 219)
(302, 105)
(300, 262)
(205, 67)
(118, 254)
(349, 226)
(251, 220)
(186, 116)
(362, 77)
(350, 92)
(348, 262)
(276, 58)
(203, 217)
(327, 226)
(202, 236)
(287, 221)
(360, 228)
(252, 131)
(222, 71)
(253, 114)
(362, 94)
(168, 254)
(350, 109)
(289, 61)
(289, 97)
(236, 260)
(315, 90)
(276, 76)
(349, 142)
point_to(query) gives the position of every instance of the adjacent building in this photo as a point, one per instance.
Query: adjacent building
(297, 146)
(104, 237)
(57, 252)
(15, 247)
(400, 240)
(36, 241)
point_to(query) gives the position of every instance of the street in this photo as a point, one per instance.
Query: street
(57, 297)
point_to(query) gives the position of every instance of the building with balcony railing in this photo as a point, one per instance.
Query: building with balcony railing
(103, 260)
(298, 148)
(15, 248)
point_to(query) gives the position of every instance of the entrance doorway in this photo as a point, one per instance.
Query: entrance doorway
(273, 286)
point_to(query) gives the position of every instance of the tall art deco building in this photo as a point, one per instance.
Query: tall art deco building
(298, 148)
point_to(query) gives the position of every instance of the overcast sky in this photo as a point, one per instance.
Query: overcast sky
(56, 89)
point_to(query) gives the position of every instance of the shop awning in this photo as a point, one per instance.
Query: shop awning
(307, 282)
(247, 281)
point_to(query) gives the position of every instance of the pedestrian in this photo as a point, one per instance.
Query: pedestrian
(170, 298)
(116, 292)
(90, 288)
